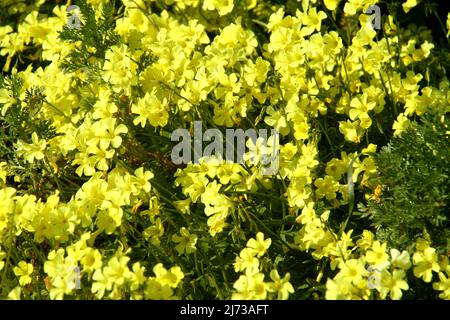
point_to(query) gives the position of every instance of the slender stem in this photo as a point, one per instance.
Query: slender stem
(267, 229)
(442, 26)
(256, 194)
(262, 24)
(50, 171)
(60, 112)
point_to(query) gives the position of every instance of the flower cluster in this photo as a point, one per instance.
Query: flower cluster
(90, 202)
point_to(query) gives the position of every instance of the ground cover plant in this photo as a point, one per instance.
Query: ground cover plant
(93, 205)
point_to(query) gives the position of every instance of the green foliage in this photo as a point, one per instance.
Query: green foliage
(414, 174)
(95, 37)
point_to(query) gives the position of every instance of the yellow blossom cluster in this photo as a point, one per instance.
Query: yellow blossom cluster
(252, 285)
(87, 187)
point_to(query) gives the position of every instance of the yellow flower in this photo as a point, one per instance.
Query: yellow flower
(215, 202)
(154, 232)
(107, 133)
(103, 108)
(150, 109)
(276, 19)
(3, 173)
(229, 172)
(2, 256)
(360, 108)
(7, 99)
(258, 286)
(259, 246)
(282, 286)
(101, 283)
(326, 187)
(448, 24)
(298, 192)
(222, 6)
(117, 270)
(425, 262)
(409, 4)
(23, 270)
(443, 285)
(340, 289)
(251, 4)
(393, 284)
(183, 205)
(308, 214)
(142, 179)
(312, 20)
(353, 270)
(350, 130)
(366, 240)
(356, 5)
(32, 151)
(331, 4)
(352, 6)
(138, 277)
(217, 222)
(186, 241)
(422, 244)
(15, 293)
(336, 168)
(377, 256)
(246, 260)
(276, 120)
(92, 260)
(400, 260)
(106, 221)
(250, 286)
(171, 277)
(157, 291)
(119, 69)
(97, 2)
(401, 124)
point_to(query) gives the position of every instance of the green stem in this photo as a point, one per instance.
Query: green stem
(351, 194)
(55, 178)
(60, 112)
(267, 229)
(262, 24)
(256, 194)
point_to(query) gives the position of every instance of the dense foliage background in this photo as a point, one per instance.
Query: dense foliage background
(92, 207)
